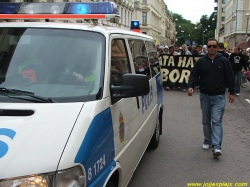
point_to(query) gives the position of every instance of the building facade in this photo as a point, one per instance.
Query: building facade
(232, 23)
(156, 20)
(153, 15)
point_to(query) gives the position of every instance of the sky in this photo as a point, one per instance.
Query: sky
(191, 9)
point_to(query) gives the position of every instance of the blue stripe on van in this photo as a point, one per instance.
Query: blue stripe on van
(103, 176)
(159, 87)
(96, 152)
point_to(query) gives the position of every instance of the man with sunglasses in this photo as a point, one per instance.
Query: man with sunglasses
(213, 73)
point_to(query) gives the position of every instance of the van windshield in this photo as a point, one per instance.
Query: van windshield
(64, 65)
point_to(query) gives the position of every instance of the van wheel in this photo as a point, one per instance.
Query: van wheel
(111, 184)
(154, 142)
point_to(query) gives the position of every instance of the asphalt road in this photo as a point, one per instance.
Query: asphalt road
(180, 159)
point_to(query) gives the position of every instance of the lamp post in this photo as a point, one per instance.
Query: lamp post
(203, 34)
(246, 30)
(203, 37)
(183, 36)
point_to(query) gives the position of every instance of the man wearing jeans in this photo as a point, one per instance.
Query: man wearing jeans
(213, 73)
(237, 60)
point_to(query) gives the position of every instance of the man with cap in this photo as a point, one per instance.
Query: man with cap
(166, 51)
(160, 50)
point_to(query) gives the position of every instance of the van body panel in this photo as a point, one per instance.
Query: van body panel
(91, 142)
(39, 139)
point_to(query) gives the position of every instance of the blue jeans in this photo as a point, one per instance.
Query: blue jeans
(213, 108)
(237, 79)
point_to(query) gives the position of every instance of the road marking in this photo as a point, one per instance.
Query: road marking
(248, 100)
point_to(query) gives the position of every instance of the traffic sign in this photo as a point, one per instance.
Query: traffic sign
(225, 45)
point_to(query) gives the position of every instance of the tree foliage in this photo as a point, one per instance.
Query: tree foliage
(199, 32)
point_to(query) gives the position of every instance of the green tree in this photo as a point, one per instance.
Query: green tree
(184, 29)
(205, 29)
(199, 32)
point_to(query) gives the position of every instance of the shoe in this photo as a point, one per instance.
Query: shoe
(217, 153)
(167, 88)
(243, 86)
(237, 93)
(184, 90)
(206, 146)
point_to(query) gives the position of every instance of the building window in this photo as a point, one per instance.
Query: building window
(223, 1)
(223, 18)
(125, 17)
(144, 1)
(122, 19)
(144, 18)
(223, 10)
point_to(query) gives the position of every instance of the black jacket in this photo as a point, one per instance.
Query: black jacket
(224, 54)
(212, 76)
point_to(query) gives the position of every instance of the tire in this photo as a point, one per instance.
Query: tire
(155, 140)
(111, 184)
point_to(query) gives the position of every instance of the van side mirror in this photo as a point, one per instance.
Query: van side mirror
(132, 85)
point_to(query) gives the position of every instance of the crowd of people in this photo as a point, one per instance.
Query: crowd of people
(239, 59)
(216, 72)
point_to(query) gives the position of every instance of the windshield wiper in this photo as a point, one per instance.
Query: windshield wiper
(30, 94)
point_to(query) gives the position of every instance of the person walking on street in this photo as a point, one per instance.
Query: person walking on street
(221, 49)
(244, 78)
(166, 51)
(172, 51)
(184, 50)
(197, 51)
(237, 60)
(214, 74)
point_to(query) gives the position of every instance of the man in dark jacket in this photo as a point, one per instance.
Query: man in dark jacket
(197, 51)
(221, 50)
(213, 73)
(237, 60)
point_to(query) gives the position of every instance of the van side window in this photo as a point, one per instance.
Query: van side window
(119, 61)
(153, 58)
(140, 57)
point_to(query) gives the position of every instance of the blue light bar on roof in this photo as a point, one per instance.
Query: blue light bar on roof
(8, 8)
(62, 11)
(93, 8)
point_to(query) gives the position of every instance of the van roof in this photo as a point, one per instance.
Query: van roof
(106, 30)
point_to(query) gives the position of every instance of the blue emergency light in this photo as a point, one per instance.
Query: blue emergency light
(9, 8)
(93, 8)
(135, 26)
(70, 10)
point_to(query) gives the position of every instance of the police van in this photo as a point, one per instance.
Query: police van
(79, 103)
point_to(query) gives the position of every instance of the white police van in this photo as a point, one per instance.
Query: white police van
(79, 103)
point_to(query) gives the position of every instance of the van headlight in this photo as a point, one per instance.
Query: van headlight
(31, 181)
(72, 177)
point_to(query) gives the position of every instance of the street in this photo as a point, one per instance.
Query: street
(180, 159)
